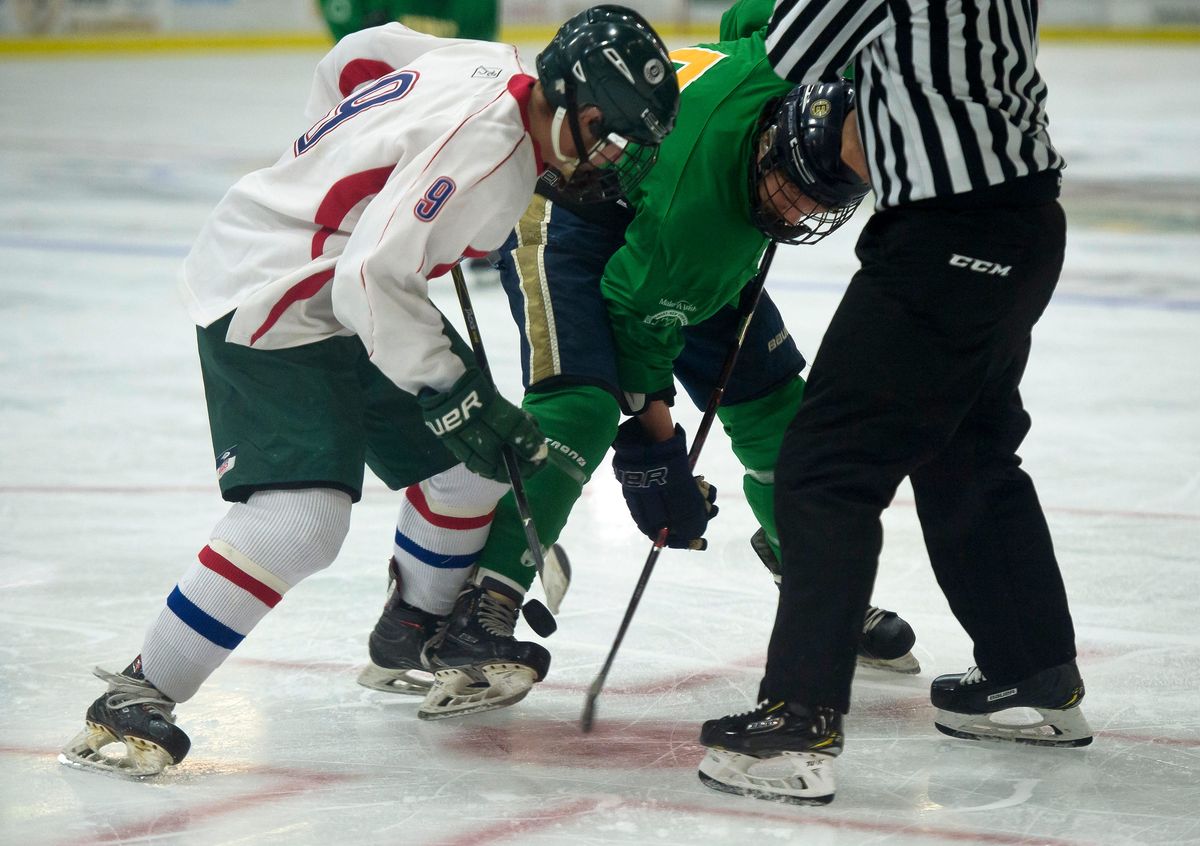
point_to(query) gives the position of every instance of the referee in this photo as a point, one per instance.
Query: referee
(918, 376)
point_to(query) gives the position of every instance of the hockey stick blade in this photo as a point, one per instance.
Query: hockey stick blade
(588, 717)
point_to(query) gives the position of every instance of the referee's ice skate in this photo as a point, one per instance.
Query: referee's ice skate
(132, 713)
(1042, 710)
(887, 640)
(396, 642)
(477, 663)
(779, 751)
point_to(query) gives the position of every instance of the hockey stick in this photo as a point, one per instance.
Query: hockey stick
(510, 457)
(748, 303)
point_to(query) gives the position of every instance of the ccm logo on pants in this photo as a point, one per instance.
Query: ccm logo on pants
(979, 265)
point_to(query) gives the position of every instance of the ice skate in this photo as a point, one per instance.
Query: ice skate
(1042, 710)
(477, 663)
(887, 640)
(779, 751)
(134, 714)
(395, 645)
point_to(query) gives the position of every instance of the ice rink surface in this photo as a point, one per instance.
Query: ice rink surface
(107, 168)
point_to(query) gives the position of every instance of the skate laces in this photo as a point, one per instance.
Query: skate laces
(496, 617)
(874, 617)
(973, 676)
(125, 692)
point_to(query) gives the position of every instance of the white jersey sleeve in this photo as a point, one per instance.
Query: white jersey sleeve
(362, 57)
(463, 199)
(418, 154)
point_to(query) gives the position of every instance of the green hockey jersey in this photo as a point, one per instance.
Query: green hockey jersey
(691, 246)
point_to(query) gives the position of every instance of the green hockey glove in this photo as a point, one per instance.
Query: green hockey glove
(476, 424)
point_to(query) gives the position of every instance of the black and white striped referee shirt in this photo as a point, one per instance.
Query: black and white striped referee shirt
(949, 98)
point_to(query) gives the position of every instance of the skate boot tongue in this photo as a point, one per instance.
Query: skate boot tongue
(134, 670)
(973, 676)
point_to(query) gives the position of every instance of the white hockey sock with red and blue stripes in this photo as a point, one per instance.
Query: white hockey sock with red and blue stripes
(257, 552)
(443, 526)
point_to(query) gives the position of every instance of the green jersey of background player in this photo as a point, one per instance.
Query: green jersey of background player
(444, 18)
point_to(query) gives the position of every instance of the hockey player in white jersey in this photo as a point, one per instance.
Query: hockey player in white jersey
(319, 348)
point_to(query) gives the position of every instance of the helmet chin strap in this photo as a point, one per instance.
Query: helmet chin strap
(569, 113)
(566, 163)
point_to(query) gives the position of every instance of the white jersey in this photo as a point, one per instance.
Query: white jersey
(418, 154)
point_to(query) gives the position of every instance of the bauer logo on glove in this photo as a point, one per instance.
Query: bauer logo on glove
(455, 417)
(659, 488)
(478, 426)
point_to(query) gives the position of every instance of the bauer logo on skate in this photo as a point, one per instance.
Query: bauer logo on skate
(455, 417)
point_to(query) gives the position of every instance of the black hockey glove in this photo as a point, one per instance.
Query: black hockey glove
(659, 487)
(476, 423)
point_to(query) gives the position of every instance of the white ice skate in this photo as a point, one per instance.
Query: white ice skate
(1042, 710)
(798, 778)
(1035, 726)
(478, 664)
(412, 682)
(459, 691)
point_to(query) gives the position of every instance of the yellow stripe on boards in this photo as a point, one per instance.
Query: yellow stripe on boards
(206, 42)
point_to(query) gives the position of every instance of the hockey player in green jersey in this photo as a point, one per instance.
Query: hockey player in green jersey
(614, 303)
(444, 18)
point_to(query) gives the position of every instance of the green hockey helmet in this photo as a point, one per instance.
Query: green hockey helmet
(610, 57)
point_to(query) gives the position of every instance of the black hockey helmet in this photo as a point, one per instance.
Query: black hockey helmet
(800, 137)
(610, 57)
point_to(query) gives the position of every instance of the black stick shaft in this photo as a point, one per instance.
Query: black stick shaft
(751, 294)
(510, 457)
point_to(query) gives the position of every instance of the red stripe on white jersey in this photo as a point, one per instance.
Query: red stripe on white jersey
(358, 71)
(306, 288)
(343, 196)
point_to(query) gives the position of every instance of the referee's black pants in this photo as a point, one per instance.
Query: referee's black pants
(918, 376)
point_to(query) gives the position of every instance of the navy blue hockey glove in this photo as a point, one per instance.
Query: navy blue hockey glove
(476, 423)
(659, 487)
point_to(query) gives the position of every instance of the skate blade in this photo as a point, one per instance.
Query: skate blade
(906, 663)
(457, 692)
(413, 682)
(797, 778)
(1033, 726)
(141, 758)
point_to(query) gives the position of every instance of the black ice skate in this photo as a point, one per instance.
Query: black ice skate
(779, 751)
(132, 713)
(1042, 710)
(395, 644)
(477, 663)
(887, 640)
